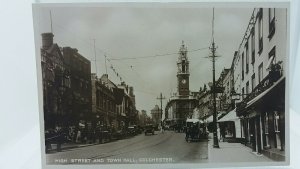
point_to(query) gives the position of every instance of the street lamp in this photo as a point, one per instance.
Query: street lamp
(234, 95)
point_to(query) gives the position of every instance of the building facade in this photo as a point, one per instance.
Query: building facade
(156, 114)
(104, 103)
(181, 105)
(55, 82)
(126, 110)
(79, 96)
(259, 79)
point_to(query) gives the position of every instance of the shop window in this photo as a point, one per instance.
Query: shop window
(266, 121)
(277, 129)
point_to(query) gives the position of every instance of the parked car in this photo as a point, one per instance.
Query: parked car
(132, 131)
(103, 134)
(119, 134)
(149, 129)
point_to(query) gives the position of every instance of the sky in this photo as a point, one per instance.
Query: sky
(138, 32)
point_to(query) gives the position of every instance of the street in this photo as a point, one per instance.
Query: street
(167, 147)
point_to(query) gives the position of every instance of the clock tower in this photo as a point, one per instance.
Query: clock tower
(183, 72)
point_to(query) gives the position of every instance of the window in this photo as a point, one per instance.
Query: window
(260, 72)
(252, 46)
(272, 52)
(243, 66)
(253, 82)
(260, 31)
(247, 57)
(247, 88)
(272, 55)
(243, 93)
(271, 22)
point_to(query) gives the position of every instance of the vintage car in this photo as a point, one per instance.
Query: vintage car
(132, 130)
(149, 129)
(103, 133)
(195, 130)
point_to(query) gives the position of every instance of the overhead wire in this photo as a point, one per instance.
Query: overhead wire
(111, 58)
(157, 55)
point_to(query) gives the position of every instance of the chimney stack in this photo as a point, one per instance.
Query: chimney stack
(47, 40)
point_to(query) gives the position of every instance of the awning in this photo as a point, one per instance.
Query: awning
(264, 93)
(193, 120)
(231, 116)
(210, 118)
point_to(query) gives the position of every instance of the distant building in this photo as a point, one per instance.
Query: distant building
(143, 118)
(204, 103)
(126, 110)
(156, 114)
(104, 102)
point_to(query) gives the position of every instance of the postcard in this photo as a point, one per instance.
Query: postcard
(163, 84)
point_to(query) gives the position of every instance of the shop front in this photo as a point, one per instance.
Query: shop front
(263, 121)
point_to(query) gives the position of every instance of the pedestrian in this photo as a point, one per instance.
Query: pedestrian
(59, 137)
(78, 138)
(218, 133)
(162, 129)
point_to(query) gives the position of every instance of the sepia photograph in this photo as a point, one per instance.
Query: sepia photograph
(163, 83)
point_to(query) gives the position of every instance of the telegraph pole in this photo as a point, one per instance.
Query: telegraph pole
(51, 22)
(161, 113)
(213, 51)
(105, 64)
(95, 56)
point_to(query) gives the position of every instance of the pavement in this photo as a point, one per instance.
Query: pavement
(233, 152)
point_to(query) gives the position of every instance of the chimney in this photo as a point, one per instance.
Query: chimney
(131, 91)
(235, 53)
(47, 40)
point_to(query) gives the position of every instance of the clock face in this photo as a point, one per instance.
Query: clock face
(183, 81)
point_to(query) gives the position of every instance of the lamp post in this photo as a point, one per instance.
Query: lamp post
(216, 142)
(161, 111)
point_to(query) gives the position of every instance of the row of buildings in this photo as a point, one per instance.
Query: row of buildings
(75, 97)
(250, 93)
